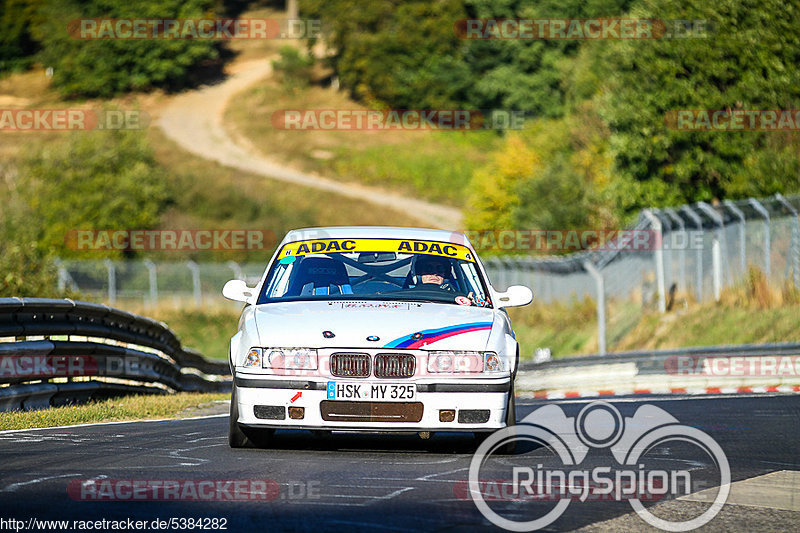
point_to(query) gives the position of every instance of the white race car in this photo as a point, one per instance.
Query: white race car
(372, 329)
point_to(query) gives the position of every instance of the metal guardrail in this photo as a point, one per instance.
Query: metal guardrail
(646, 358)
(85, 340)
(660, 369)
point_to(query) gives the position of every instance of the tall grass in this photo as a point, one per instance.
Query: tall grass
(124, 408)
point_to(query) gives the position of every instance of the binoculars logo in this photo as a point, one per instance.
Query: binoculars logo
(598, 425)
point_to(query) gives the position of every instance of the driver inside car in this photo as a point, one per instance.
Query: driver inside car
(434, 270)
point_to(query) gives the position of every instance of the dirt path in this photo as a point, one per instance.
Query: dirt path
(194, 120)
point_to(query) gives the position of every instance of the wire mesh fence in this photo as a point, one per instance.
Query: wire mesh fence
(702, 249)
(693, 252)
(152, 284)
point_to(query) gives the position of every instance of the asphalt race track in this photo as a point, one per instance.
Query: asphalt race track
(370, 482)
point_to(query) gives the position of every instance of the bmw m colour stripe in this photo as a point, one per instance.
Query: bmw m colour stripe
(432, 335)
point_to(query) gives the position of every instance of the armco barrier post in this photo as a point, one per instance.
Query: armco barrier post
(601, 305)
(658, 256)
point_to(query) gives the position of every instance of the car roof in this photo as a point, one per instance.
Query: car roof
(376, 232)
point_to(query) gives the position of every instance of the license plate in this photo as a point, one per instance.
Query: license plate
(374, 392)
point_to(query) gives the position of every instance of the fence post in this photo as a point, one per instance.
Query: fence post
(151, 270)
(698, 289)
(601, 305)
(794, 248)
(716, 269)
(719, 241)
(658, 255)
(63, 276)
(742, 236)
(764, 213)
(196, 289)
(678, 220)
(237, 270)
(112, 281)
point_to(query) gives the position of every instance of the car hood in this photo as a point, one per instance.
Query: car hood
(357, 324)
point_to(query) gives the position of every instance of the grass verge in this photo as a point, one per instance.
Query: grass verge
(205, 194)
(431, 165)
(207, 331)
(114, 409)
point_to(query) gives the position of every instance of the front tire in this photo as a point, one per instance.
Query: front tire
(511, 420)
(241, 437)
(511, 408)
(236, 437)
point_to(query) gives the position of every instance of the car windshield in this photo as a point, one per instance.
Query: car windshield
(372, 269)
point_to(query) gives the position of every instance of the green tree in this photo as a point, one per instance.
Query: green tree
(401, 54)
(528, 75)
(96, 180)
(748, 61)
(554, 175)
(16, 44)
(26, 268)
(106, 67)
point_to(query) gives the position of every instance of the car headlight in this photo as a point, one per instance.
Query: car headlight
(494, 363)
(290, 358)
(455, 362)
(253, 358)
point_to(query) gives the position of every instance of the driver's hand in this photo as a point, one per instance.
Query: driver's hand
(476, 300)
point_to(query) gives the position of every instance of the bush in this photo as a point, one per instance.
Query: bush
(26, 268)
(106, 67)
(95, 180)
(16, 44)
(293, 67)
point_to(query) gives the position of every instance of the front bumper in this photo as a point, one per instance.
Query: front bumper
(482, 399)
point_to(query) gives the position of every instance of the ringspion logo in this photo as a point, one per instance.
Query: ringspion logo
(598, 426)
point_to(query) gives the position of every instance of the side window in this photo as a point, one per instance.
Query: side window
(280, 281)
